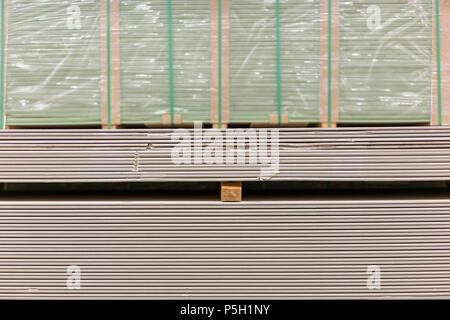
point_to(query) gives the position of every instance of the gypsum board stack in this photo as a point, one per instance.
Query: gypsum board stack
(274, 66)
(380, 63)
(166, 59)
(281, 249)
(61, 83)
(313, 154)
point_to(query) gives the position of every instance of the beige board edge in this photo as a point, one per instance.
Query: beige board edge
(273, 119)
(214, 52)
(104, 63)
(225, 62)
(167, 119)
(444, 7)
(334, 62)
(5, 65)
(323, 108)
(115, 62)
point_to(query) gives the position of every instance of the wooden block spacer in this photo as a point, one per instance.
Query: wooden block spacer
(167, 120)
(216, 126)
(231, 191)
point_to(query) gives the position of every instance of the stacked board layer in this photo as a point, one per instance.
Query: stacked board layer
(92, 62)
(274, 60)
(312, 249)
(385, 61)
(53, 68)
(158, 155)
(165, 60)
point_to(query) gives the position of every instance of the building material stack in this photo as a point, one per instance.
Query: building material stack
(121, 63)
(128, 91)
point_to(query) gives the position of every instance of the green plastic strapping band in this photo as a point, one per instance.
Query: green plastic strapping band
(438, 56)
(329, 63)
(220, 64)
(277, 13)
(171, 89)
(108, 39)
(2, 74)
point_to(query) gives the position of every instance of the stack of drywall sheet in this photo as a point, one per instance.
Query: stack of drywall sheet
(157, 155)
(165, 60)
(127, 249)
(53, 62)
(274, 60)
(103, 62)
(385, 61)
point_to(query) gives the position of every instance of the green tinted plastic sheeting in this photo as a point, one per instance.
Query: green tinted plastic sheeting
(53, 62)
(385, 61)
(253, 60)
(145, 63)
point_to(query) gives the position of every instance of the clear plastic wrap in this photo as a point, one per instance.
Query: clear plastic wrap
(135, 62)
(148, 89)
(53, 62)
(266, 78)
(385, 60)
